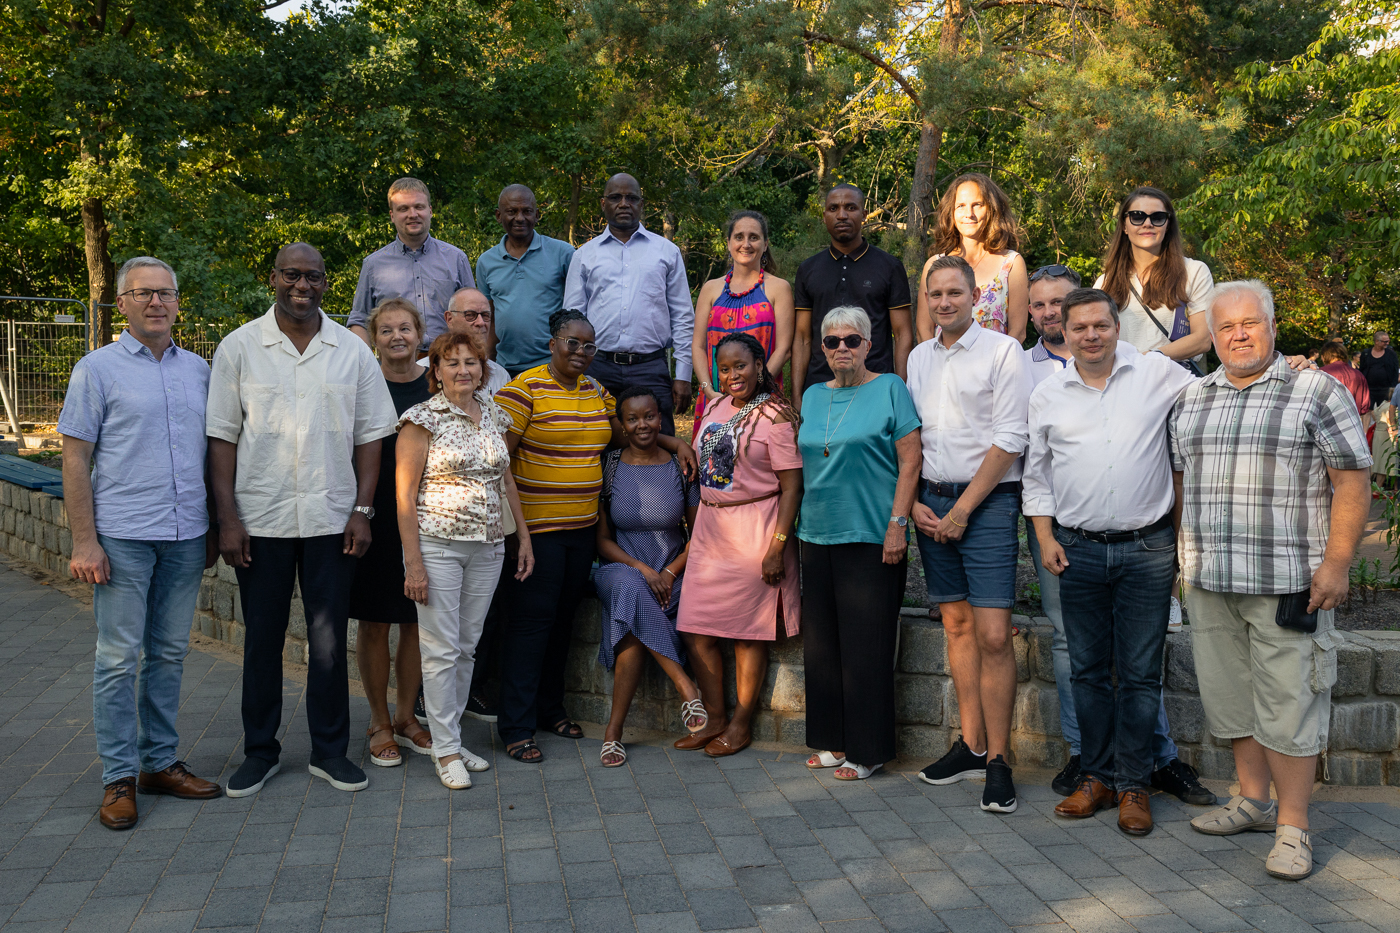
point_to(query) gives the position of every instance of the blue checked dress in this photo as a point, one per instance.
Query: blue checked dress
(646, 509)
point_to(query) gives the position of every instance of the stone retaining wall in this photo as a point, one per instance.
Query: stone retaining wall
(1364, 745)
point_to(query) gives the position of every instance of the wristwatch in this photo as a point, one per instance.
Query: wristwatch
(900, 520)
(366, 510)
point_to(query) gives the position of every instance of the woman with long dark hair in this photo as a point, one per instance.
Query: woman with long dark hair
(1161, 294)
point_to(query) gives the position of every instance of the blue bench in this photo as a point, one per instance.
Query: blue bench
(21, 472)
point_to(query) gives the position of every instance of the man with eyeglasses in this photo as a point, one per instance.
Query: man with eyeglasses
(416, 266)
(631, 283)
(133, 479)
(297, 408)
(469, 312)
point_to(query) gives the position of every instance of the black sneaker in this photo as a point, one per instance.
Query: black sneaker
(478, 708)
(959, 764)
(250, 777)
(1067, 780)
(420, 712)
(1181, 781)
(1000, 794)
(341, 773)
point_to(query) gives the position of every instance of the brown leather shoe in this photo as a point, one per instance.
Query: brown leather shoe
(1091, 796)
(1134, 812)
(118, 809)
(178, 781)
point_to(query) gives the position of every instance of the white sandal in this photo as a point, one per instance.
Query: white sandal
(473, 763)
(824, 760)
(453, 775)
(613, 748)
(861, 772)
(694, 708)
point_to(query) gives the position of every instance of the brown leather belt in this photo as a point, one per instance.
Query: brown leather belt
(730, 505)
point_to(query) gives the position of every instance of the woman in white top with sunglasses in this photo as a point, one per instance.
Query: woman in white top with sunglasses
(1161, 294)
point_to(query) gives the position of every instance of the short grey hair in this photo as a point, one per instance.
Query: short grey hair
(1251, 287)
(143, 262)
(847, 316)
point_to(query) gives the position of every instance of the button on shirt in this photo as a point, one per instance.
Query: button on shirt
(297, 419)
(869, 278)
(146, 419)
(1098, 459)
(635, 295)
(427, 276)
(1256, 497)
(970, 397)
(1042, 363)
(524, 292)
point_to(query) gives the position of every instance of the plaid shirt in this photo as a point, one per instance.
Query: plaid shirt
(1257, 497)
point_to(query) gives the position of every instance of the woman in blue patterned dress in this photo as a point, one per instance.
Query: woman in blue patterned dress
(645, 508)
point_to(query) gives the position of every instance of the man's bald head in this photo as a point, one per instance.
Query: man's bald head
(622, 204)
(512, 192)
(300, 256)
(468, 299)
(468, 312)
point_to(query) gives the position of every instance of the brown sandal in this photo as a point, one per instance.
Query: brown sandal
(380, 753)
(419, 742)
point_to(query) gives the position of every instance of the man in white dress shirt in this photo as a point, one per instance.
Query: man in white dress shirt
(297, 408)
(970, 386)
(1098, 486)
(631, 283)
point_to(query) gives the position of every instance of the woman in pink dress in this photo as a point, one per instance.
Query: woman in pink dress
(741, 575)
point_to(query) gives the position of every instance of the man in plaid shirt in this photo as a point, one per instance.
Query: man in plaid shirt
(1272, 471)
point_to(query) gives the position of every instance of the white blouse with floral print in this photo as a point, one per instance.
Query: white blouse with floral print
(459, 496)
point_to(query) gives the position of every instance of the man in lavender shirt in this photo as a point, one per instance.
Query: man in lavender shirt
(138, 518)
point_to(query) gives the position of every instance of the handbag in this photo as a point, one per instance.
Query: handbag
(1181, 327)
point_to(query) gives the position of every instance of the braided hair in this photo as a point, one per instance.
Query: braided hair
(560, 319)
(766, 382)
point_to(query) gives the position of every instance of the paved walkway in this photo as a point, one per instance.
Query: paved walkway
(675, 842)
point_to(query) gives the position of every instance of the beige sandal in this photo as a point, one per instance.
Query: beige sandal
(1291, 857)
(385, 754)
(420, 742)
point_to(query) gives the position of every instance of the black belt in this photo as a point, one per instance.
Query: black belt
(1118, 537)
(953, 490)
(630, 359)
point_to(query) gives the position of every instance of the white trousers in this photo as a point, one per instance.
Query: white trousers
(462, 577)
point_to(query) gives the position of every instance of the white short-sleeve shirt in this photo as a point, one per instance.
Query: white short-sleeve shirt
(1137, 328)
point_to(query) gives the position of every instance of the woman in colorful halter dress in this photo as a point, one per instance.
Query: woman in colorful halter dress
(975, 222)
(749, 299)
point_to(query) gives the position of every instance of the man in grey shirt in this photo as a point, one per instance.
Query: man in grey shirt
(416, 266)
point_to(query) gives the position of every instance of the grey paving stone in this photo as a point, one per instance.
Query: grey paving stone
(746, 851)
(833, 899)
(679, 922)
(1016, 905)
(1201, 912)
(973, 920)
(654, 894)
(232, 907)
(358, 897)
(595, 915)
(170, 921)
(640, 858)
(702, 871)
(410, 913)
(531, 902)
(721, 909)
(686, 838)
(294, 917)
(588, 846)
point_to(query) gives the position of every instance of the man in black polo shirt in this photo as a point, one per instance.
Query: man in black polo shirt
(850, 272)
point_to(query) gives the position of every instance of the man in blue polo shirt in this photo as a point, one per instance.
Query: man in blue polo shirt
(523, 278)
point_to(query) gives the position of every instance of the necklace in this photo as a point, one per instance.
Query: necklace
(826, 446)
(557, 378)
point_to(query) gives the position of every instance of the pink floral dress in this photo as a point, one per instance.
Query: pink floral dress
(990, 309)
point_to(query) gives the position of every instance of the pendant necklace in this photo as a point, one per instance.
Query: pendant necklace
(826, 447)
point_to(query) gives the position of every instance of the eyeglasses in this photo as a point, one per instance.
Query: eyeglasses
(1055, 272)
(573, 345)
(474, 315)
(623, 198)
(293, 276)
(1157, 218)
(142, 296)
(831, 341)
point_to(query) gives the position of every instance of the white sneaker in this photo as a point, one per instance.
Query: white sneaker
(453, 775)
(1174, 621)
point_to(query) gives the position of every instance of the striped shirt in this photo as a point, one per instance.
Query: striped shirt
(557, 465)
(1257, 499)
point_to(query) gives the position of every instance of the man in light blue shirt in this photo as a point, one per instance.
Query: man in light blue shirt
(416, 266)
(133, 481)
(631, 283)
(523, 278)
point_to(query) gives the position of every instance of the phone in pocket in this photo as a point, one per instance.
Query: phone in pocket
(1293, 612)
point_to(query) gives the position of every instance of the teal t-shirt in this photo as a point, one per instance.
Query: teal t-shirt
(848, 496)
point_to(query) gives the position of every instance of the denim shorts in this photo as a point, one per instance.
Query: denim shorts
(981, 567)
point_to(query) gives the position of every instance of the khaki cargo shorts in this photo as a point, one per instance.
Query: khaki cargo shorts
(1260, 679)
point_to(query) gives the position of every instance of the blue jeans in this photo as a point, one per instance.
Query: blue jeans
(1163, 748)
(143, 613)
(981, 566)
(1116, 603)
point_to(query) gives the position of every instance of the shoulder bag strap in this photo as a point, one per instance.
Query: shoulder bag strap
(1165, 333)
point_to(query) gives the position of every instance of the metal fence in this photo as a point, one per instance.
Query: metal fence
(37, 357)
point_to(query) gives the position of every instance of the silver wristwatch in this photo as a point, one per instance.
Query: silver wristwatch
(900, 520)
(366, 510)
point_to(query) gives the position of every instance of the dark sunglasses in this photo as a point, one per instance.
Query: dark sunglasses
(1055, 272)
(1157, 218)
(831, 341)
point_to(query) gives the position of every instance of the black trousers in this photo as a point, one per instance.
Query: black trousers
(265, 590)
(850, 625)
(535, 640)
(655, 375)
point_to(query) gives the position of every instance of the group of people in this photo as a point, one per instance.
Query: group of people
(454, 463)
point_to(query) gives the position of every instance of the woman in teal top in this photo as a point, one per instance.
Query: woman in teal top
(860, 468)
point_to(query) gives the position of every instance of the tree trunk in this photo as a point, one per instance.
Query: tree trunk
(574, 196)
(921, 202)
(102, 276)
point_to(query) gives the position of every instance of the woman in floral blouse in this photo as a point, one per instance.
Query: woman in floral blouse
(451, 460)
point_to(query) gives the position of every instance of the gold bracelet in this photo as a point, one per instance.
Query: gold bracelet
(780, 536)
(955, 521)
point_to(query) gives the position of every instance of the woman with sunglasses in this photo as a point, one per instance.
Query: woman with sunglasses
(749, 299)
(1161, 294)
(561, 421)
(860, 470)
(741, 570)
(975, 222)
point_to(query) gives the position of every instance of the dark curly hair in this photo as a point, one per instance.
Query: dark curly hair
(637, 392)
(559, 319)
(766, 382)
